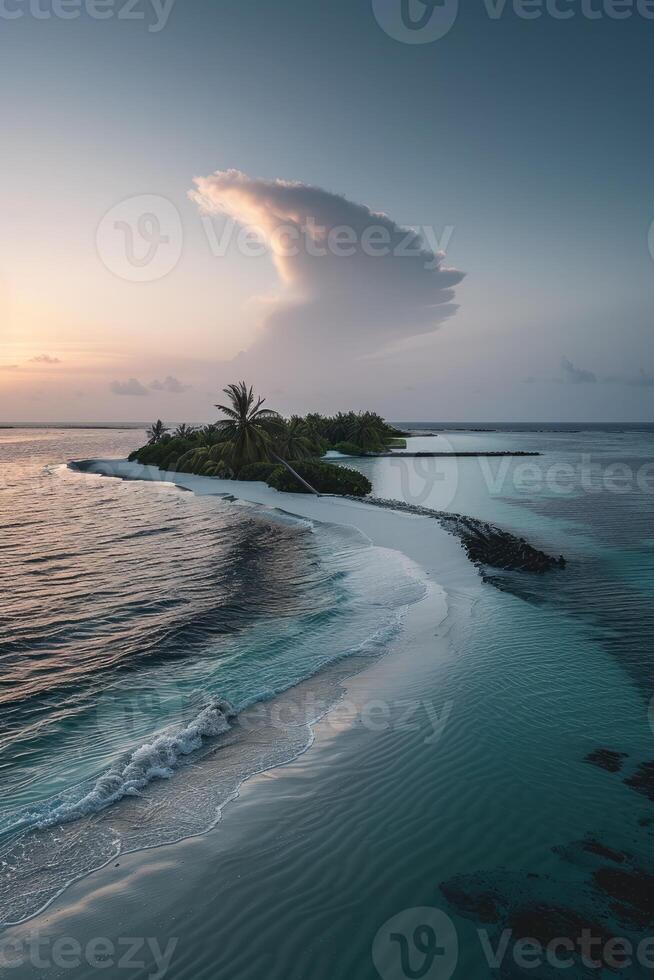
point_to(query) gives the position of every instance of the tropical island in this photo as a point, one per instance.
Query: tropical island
(251, 442)
(254, 443)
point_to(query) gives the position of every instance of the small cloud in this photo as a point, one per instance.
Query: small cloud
(170, 384)
(531, 380)
(44, 359)
(131, 387)
(576, 375)
(8, 367)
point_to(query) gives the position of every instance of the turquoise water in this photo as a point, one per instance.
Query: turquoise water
(141, 622)
(533, 674)
(589, 496)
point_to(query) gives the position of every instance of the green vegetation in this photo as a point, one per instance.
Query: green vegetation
(348, 449)
(156, 432)
(324, 477)
(258, 471)
(250, 442)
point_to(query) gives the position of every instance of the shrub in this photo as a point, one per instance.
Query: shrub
(151, 455)
(163, 454)
(324, 477)
(257, 471)
(349, 449)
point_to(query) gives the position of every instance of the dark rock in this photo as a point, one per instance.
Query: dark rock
(484, 906)
(607, 759)
(633, 890)
(596, 847)
(485, 544)
(545, 923)
(643, 780)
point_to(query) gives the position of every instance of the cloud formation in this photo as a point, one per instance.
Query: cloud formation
(131, 387)
(170, 384)
(576, 375)
(44, 359)
(351, 281)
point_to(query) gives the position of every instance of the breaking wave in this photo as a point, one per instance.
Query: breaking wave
(154, 760)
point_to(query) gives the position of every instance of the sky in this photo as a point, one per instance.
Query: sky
(450, 220)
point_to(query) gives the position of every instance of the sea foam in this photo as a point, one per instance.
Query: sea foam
(154, 760)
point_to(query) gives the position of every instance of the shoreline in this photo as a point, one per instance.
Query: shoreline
(478, 774)
(438, 555)
(145, 893)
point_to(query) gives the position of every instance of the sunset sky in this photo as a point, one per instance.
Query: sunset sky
(523, 146)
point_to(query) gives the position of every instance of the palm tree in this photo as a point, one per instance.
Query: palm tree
(249, 431)
(294, 440)
(156, 432)
(206, 460)
(367, 430)
(248, 428)
(184, 431)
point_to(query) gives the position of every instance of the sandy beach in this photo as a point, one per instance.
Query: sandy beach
(148, 893)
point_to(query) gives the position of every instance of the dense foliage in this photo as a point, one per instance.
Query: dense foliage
(348, 449)
(250, 442)
(258, 471)
(323, 477)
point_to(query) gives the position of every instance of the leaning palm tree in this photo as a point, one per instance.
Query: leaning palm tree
(156, 432)
(249, 431)
(248, 428)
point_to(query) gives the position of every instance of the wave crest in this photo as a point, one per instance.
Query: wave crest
(153, 760)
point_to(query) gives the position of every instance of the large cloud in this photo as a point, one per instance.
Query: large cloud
(352, 281)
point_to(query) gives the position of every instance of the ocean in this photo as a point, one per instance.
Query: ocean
(141, 624)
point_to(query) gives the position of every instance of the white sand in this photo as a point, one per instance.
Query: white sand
(165, 892)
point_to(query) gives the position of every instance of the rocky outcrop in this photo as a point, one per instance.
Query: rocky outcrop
(485, 544)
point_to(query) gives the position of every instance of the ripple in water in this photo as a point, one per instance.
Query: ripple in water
(144, 630)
